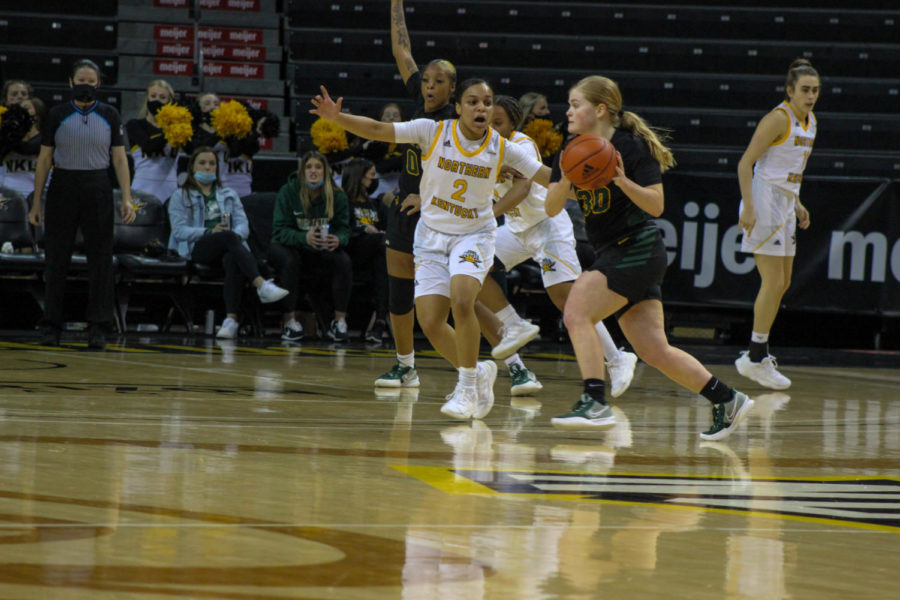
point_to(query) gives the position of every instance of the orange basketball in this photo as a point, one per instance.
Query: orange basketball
(589, 161)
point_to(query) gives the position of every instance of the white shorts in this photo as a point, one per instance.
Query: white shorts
(775, 232)
(440, 256)
(551, 243)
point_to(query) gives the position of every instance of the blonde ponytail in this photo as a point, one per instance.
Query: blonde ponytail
(603, 90)
(654, 137)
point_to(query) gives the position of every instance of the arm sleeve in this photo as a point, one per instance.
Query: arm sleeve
(418, 131)
(248, 145)
(179, 216)
(116, 130)
(143, 137)
(646, 170)
(556, 173)
(522, 159)
(284, 225)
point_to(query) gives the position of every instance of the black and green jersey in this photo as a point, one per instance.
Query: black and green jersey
(608, 212)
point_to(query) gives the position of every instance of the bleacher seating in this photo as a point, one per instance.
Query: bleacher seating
(40, 65)
(552, 51)
(708, 73)
(60, 31)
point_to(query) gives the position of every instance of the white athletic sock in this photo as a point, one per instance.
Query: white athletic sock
(407, 360)
(609, 346)
(514, 360)
(468, 377)
(508, 315)
(759, 338)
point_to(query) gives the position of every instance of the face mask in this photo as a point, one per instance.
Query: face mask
(83, 92)
(204, 177)
(153, 106)
(315, 186)
(372, 186)
(207, 117)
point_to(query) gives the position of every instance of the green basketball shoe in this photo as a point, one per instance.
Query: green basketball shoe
(524, 381)
(586, 414)
(399, 376)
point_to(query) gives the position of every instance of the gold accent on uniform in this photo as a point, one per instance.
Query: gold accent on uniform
(487, 140)
(434, 142)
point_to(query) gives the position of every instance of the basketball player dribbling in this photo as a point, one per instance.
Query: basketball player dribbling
(529, 233)
(771, 208)
(631, 260)
(454, 239)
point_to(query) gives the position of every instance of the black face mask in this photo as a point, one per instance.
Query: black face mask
(372, 186)
(83, 92)
(153, 106)
(207, 118)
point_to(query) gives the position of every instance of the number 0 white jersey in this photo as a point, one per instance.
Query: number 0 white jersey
(458, 175)
(782, 164)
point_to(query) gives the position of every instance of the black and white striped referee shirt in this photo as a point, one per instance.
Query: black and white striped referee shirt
(82, 138)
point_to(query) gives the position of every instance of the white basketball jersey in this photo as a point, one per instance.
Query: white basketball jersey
(457, 185)
(783, 163)
(530, 211)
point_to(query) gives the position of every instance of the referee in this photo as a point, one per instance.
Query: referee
(78, 139)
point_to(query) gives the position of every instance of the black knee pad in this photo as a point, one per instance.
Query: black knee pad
(401, 295)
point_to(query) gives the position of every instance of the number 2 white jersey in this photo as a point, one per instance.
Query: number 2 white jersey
(458, 175)
(530, 211)
(782, 164)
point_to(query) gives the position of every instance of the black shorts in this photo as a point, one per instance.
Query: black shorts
(401, 228)
(634, 265)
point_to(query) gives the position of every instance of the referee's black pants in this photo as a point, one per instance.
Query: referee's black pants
(79, 199)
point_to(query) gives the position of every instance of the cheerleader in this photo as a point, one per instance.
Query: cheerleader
(235, 154)
(154, 158)
(19, 151)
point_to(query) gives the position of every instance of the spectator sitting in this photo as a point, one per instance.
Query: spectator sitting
(209, 226)
(387, 156)
(367, 224)
(310, 229)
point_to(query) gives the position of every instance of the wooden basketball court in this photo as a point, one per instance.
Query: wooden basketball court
(172, 468)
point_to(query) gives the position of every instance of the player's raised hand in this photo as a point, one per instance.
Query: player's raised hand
(325, 107)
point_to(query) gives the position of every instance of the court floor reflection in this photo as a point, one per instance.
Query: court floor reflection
(162, 469)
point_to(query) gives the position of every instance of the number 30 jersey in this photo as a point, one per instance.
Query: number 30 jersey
(458, 175)
(608, 212)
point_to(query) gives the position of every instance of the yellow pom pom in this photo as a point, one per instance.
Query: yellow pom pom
(232, 120)
(179, 134)
(175, 122)
(328, 136)
(3, 109)
(548, 139)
